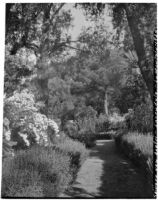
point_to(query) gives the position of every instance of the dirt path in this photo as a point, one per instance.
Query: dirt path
(107, 174)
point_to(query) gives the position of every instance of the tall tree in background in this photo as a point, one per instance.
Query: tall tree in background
(140, 20)
(43, 29)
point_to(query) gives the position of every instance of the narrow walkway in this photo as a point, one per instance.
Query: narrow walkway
(107, 174)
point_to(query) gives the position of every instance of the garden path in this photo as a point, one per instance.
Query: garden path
(107, 174)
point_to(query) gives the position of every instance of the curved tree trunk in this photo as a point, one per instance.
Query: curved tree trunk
(140, 50)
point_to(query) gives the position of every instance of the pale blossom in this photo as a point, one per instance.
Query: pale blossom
(24, 136)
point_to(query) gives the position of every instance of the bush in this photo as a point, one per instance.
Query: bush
(142, 119)
(141, 142)
(43, 171)
(86, 138)
(71, 128)
(7, 143)
(102, 123)
(86, 119)
(83, 127)
(139, 148)
(42, 168)
(84, 135)
(74, 149)
(117, 121)
(28, 126)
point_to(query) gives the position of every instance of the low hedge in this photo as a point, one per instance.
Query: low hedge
(87, 139)
(104, 135)
(42, 171)
(75, 150)
(142, 160)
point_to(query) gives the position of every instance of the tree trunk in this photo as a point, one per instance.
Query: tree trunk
(106, 103)
(140, 50)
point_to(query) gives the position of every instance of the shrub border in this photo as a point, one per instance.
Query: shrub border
(138, 159)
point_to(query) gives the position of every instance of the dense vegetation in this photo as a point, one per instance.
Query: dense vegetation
(56, 89)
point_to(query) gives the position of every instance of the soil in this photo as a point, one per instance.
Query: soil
(107, 174)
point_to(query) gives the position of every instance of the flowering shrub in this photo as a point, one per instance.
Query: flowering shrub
(6, 129)
(7, 144)
(28, 126)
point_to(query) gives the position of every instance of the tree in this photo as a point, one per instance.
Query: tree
(97, 72)
(140, 19)
(41, 28)
(142, 23)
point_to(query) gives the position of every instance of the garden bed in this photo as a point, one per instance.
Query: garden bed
(42, 171)
(139, 149)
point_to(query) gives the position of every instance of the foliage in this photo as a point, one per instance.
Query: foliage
(74, 149)
(140, 141)
(87, 74)
(28, 126)
(141, 25)
(18, 183)
(86, 119)
(42, 168)
(37, 26)
(82, 135)
(7, 144)
(136, 23)
(17, 68)
(45, 82)
(71, 128)
(60, 100)
(83, 127)
(102, 123)
(139, 149)
(142, 119)
(40, 29)
(132, 91)
(43, 171)
(117, 121)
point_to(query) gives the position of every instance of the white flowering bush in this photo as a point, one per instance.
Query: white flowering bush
(7, 143)
(28, 126)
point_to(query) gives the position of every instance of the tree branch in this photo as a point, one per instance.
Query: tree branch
(57, 11)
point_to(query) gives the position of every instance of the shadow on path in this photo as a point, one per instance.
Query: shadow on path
(108, 174)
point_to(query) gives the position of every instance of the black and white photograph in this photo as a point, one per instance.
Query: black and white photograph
(79, 100)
